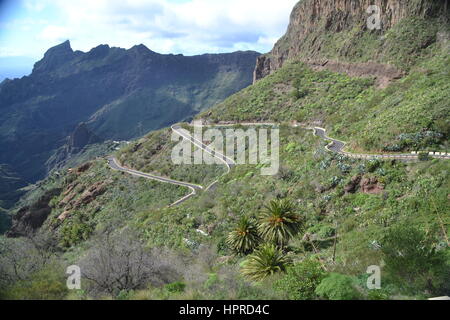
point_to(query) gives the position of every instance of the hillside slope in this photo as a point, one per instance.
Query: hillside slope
(381, 90)
(343, 214)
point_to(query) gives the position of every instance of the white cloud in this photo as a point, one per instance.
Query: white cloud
(54, 33)
(34, 5)
(165, 26)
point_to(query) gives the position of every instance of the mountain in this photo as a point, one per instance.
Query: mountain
(321, 32)
(383, 92)
(391, 84)
(116, 93)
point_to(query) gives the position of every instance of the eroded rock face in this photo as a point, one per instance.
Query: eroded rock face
(84, 167)
(28, 219)
(353, 185)
(310, 18)
(90, 194)
(369, 185)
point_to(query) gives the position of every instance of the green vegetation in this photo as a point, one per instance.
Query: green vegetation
(401, 45)
(308, 232)
(337, 287)
(153, 154)
(245, 238)
(279, 223)
(413, 260)
(47, 284)
(301, 280)
(382, 119)
(264, 262)
(415, 193)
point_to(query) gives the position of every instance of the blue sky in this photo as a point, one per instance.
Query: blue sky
(29, 27)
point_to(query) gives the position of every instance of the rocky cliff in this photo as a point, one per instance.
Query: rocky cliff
(320, 30)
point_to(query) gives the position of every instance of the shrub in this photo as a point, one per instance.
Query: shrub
(412, 260)
(337, 287)
(301, 280)
(373, 165)
(121, 262)
(264, 262)
(175, 287)
(47, 284)
(423, 156)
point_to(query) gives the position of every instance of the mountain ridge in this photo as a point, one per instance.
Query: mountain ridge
(119, 94)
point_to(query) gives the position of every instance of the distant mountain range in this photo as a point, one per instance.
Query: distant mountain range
(108, 93)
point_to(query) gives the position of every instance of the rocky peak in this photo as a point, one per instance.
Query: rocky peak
(98, 52)
(311, 19)
(141, 50)
(54, 58)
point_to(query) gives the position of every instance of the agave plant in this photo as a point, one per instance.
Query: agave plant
(244, 239)
(278, 223)
(264, 262)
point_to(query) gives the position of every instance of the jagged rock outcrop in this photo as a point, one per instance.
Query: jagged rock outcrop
(30, 218)
(312, 19)
(81, 137)
(54, 58)
(74, 201)
(353, 185)
(369, 185)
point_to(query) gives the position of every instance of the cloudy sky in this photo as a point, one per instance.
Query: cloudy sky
(29, 27)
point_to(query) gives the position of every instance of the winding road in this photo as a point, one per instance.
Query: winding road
(229, 163)
(335, 146)
(338, 146)
(114, 164)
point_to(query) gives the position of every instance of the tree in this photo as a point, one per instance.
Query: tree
(20, 258)
(120, 262)
(46, 284)
(278, 223)
(244, 238)
(301, 280)
(265, 261)
(412, 259)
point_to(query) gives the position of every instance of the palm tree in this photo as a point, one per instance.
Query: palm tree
(278, 223)
(264, 262)
(244, 239)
